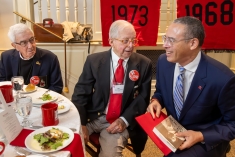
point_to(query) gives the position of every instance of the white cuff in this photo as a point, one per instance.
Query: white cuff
(127, 124)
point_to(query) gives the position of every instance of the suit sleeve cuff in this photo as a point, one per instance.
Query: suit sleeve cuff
(153, 99)
(125, 121)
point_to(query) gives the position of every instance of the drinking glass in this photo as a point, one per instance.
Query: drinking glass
(23, 108)
(17, 84)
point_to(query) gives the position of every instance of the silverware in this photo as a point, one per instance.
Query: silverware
(38, 127)
(39, 106)
(44, 93)
(23, 152)
(73, 129)
(59, 100)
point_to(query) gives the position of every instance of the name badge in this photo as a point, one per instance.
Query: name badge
(118, 89)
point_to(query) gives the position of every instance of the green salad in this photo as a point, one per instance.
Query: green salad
(51, 139)
(46, 97)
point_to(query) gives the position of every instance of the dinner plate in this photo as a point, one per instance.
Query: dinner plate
(65, 109)
(37, 101)
(25, 92)
(34, 146)
(36, 155)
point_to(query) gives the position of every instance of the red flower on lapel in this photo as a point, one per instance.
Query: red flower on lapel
(200, 87)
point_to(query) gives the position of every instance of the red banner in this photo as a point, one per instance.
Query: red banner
(143, 14)
(218, 18)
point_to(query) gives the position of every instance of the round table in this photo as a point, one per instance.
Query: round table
(70, 119)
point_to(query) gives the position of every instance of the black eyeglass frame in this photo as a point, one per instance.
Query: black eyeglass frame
(25, 42)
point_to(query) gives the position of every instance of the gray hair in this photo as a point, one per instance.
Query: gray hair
(16, 29)
(194, 28)
(117, 26)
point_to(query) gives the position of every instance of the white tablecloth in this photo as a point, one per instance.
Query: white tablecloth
(70, 119)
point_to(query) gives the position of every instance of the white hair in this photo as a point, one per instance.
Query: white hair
(16, 29)
(118, 26)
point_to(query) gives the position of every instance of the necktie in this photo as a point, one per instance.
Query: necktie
(178, 94)
(115, 101)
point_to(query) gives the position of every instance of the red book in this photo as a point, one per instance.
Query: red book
(148, 123)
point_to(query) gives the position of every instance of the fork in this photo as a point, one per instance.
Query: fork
(58, 101)
(23, 152)
(44, 93)
(38, 127)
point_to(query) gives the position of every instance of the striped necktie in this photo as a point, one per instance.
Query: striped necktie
(178, 94)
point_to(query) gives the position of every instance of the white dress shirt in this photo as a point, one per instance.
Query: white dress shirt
(113, 66)
(189, 73)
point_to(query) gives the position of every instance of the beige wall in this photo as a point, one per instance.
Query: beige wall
(75, 57)
(6, 20)
(232, 66)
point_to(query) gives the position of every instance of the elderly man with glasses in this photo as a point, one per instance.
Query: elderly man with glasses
(112, 90)
(27, 60)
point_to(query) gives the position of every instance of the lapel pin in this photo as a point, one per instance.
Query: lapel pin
(200, 87)
(134, 75)
(38, 63)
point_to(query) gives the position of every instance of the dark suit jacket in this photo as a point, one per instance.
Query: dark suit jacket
(45, 63)
(91, 93)
(209, 106)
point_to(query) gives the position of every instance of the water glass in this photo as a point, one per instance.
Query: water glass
(23, 108)
(17, 84)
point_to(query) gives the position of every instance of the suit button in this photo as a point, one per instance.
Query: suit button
(98, 113)
(88, 120)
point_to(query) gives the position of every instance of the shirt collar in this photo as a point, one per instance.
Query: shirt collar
(115, 59)
(192, 66)
(24, 58)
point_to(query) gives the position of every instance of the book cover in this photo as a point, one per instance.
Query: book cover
(148, 123)
(166, 131)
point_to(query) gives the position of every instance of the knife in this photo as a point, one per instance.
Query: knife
(38, 127)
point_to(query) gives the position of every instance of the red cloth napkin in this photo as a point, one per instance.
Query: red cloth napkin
(75, 147)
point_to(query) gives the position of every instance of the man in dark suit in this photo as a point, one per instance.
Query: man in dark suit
(96, 85)
(27, 60)
(208, 106)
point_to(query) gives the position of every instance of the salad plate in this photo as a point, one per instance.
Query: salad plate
(36, 155)
(63, 107)
(36, 98)
(33, 145)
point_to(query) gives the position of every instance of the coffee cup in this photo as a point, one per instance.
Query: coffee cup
(7, 93)
(49, 114)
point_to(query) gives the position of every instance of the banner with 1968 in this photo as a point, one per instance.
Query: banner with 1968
(218, 20)
(143, 14)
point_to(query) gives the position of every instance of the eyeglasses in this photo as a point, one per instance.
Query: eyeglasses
(171, 40)
(127, 41)
(25, 42)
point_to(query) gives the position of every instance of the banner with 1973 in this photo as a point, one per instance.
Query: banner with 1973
(143, 14)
